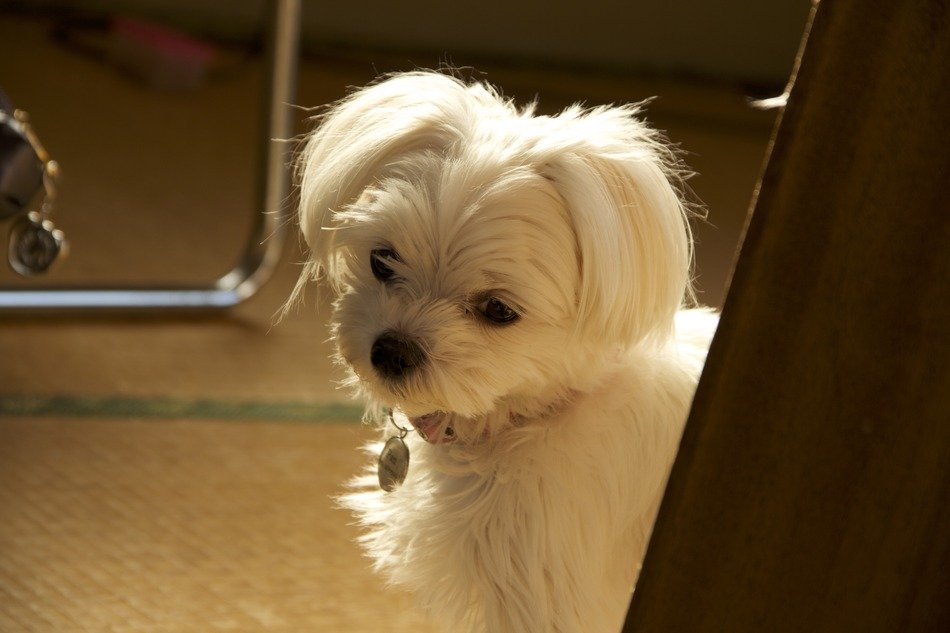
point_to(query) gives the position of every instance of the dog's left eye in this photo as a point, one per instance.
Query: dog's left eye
(497, 311)
(378, 262)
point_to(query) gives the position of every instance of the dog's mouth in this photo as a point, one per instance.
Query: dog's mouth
(434, 427)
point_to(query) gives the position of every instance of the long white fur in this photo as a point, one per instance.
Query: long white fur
(567, 419)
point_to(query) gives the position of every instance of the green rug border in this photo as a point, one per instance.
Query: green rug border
(178, 408)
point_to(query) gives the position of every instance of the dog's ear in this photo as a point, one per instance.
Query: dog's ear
(359, 136)
(621, 184)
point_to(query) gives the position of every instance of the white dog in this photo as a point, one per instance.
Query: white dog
(512, 286)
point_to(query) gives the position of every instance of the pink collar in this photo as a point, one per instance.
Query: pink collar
(432, 429)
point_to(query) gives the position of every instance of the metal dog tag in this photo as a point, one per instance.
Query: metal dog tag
(393, 464)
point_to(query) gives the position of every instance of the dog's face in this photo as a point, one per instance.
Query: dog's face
(457, 286)
(485, 259)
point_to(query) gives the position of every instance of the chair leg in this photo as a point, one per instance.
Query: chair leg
(268, 236)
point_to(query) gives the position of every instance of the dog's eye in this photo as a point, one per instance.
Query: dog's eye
(378, 262)
(497, 311)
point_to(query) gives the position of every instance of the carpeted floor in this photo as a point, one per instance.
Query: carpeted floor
(188, 525)
(173, 472)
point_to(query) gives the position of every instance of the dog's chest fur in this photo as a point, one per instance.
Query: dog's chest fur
(541, 527)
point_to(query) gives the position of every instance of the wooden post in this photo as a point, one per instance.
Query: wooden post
(812, 488)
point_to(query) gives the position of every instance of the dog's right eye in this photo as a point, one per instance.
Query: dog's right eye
(378, 262)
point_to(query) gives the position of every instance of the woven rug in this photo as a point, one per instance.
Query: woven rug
(151, 524)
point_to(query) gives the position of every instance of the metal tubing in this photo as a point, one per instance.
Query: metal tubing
(269, 232)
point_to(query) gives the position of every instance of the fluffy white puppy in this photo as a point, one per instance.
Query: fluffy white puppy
(512, 286)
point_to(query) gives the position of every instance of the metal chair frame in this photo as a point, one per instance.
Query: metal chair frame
(269, 232)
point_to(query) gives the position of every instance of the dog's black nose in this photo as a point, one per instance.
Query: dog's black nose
(394, 356)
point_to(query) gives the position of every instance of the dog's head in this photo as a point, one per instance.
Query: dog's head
(481, 256)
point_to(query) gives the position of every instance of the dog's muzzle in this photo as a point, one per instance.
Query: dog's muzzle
(395, 356)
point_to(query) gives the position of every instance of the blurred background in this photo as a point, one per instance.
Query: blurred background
(173, 471)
